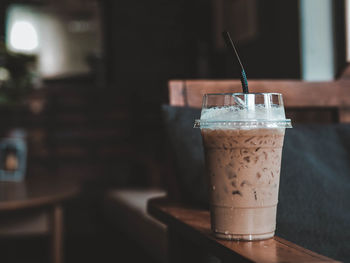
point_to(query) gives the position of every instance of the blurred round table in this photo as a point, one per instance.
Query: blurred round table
(36, 206)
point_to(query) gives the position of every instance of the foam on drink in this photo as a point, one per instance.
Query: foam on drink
(236, 113)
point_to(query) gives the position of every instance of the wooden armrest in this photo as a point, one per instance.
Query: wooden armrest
(332, 96)
(194, 225)
(296, 93)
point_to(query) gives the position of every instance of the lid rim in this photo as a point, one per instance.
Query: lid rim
(241, 93)
(286, 123)
(238, 121)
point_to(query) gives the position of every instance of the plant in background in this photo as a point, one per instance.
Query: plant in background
(17, 76)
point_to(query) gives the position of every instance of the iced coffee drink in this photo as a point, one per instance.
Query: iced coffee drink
(243, 139)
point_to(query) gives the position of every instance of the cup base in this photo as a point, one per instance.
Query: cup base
(244, 237)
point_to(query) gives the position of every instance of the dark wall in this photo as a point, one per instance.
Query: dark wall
(149, 42)
(3, 6)
(274, 51)
(146, 44)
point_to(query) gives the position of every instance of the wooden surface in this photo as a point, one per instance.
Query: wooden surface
(310, 102)
(194, 225)
(36, 191)
(333, 96)
(296, 93)
(36, 203)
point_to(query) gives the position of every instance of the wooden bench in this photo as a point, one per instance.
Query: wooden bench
(170, 226)
(189, 233)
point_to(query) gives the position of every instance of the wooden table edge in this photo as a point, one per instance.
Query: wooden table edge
(305, 250)
(38, 201)
(154, 210)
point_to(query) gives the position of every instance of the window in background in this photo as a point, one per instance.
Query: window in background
(317, 41)
(62, 41)
(347, 26)
(23, 37)
(323, 40)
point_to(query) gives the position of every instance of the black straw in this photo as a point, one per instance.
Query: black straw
(231, 47)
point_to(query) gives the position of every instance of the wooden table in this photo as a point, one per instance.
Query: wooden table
(35, 206)
(191, 240)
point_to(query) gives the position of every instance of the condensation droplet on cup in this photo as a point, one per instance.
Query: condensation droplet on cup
(213, 187)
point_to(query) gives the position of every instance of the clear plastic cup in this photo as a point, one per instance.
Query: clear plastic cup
(243, 138)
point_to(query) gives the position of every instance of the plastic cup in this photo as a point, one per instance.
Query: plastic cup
(243, 137)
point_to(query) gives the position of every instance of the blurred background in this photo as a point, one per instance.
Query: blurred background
(85, 81)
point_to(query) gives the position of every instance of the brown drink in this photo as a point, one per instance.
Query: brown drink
(244, 170)
(243, 149)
